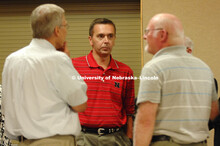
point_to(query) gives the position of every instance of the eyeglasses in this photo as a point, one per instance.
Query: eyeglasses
(146, 31)
(65, 25)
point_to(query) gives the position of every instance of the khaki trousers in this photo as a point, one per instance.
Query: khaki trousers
(58, 140)
(171, 143)
(114, 139)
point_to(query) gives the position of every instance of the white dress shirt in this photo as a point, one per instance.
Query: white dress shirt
(38, 90)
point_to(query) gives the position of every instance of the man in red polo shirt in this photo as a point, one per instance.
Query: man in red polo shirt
(110, 91)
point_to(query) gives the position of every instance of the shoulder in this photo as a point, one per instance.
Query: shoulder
(123, 67)
(199, 61)
(79, 59)
(16, 54)
(80, 62)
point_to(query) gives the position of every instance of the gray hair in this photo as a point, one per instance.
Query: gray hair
(188, 43)
(45, 18)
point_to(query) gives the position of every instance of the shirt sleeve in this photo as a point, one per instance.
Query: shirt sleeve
(70, 89)
(150, 86)
(129, 95)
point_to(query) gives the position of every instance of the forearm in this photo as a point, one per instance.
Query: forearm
(144, 123)
(80, 108)
(143, 131)
(129, 130)
(214, 110)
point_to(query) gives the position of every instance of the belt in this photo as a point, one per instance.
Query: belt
(100, 131)
(160, 138)
(166, 138)
(21, 138)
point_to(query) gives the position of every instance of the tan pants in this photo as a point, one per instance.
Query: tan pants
(114, 139)
(58, 140)
(171, 143)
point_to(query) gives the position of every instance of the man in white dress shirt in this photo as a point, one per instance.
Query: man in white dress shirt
(40, 98)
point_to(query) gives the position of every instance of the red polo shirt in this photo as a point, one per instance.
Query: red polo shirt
(110, 92)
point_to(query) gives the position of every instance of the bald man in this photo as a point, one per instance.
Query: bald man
(174, 109)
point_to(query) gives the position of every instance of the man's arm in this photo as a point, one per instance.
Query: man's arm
(129, 130)
(64, 49)
(214, 110)
(129, 105)
(144, 123)
(80, 108)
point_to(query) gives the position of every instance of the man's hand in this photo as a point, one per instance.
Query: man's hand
(64, 49)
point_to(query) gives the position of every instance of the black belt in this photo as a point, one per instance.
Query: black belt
(21, 138)
(160, 138)
(166, 138)
(100, 131)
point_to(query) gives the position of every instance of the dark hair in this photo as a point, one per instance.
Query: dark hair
(100, 21)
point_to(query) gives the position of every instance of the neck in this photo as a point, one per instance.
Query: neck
(51, 40)
(102, 61)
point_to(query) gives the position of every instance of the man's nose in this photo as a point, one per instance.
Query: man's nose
(144, 37)
(106, 39)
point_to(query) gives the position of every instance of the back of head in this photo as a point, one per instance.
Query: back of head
(172, 25)
(100, 21)
(45, 18)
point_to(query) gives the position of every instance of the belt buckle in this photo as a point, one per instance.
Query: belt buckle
(21, 138)
(100, 133)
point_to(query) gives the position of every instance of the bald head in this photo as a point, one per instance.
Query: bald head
(172, 25)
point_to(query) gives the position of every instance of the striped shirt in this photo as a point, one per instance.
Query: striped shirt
(184, 91)
(110, 92)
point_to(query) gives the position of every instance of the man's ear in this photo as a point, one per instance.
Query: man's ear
(163, 35)
(56, 31)
(90, 40)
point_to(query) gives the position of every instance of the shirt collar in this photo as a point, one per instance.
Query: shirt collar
(42, 43)
(171, 49)
(92, 63)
